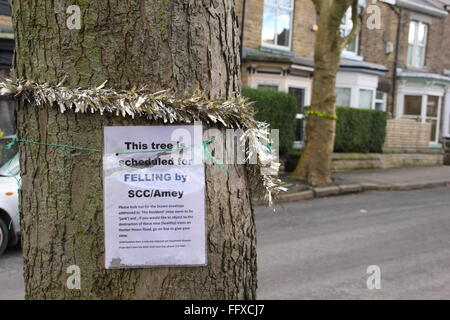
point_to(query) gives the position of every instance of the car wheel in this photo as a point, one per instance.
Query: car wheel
(4, 236)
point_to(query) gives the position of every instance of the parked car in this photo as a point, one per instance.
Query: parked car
(9, 203)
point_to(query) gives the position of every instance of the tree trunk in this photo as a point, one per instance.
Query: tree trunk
(314, 166)
(178, 44)
(315, 163)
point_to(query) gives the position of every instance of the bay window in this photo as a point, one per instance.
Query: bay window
(343, 97)
(365, 99)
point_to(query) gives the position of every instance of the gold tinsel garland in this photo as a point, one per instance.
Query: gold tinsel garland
(236, 113)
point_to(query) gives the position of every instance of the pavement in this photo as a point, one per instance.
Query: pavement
(322, 249)
(406, 178)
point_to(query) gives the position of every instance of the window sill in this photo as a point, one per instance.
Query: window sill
(420, 69)
(276, 49)
(351, 56)
(435, 145)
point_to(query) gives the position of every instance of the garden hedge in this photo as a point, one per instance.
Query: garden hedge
(279, 110)
(357, 130)
(360, 130)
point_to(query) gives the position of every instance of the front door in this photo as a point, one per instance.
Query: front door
(446, 131)
(299, 94)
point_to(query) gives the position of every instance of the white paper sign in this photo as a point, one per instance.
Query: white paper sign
(154, 196)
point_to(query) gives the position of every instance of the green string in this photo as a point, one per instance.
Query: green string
(16, 140)
(214, 159)
(205, 144)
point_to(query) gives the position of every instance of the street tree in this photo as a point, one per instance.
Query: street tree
(177, 45)
(314, 165)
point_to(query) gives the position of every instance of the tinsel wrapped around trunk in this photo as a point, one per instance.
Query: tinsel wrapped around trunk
(237, 113)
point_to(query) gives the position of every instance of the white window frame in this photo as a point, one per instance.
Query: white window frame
(437, 118)
(415, 58)
(346, 27)
(268, 82)
(351, 93)
(260, 85)
(279, 7)
(410, 116)
(423, 117)
(372, 106)
(382, 101)
(306, 99)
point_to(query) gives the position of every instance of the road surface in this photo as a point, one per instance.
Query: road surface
(321, 249)
(11, 280)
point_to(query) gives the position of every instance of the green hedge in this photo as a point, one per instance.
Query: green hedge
(279, 110)
(359, 130)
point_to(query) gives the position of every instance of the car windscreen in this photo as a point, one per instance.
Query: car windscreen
(11, 168)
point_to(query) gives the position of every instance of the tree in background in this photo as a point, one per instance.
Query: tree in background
(315, 163)
(179, 45)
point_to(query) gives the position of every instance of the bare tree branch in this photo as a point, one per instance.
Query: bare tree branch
(318, 5)
(356, 19)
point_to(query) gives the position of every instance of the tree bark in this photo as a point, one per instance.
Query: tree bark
(180, 45)
(314, 166)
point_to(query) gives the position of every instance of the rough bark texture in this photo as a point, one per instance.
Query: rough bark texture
(315, 163)
(178, 44)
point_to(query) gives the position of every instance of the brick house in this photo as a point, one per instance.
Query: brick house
(414, 45)
(403, 67)
(414, 40)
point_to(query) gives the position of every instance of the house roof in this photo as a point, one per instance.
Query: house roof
(362, 66)
(274, 56)
(289, 57)
(429, 7)
(424, 76)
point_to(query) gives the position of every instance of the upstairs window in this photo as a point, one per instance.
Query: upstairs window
(346, 28)
(277, 23)
(417, 41)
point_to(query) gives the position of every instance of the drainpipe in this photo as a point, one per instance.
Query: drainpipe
(398, 13)
(244, 5)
